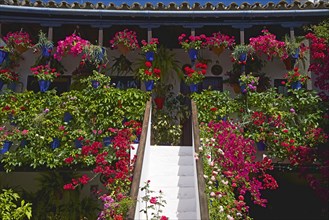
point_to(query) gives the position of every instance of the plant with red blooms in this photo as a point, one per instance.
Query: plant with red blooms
(44, 72)
(155, 203)
(149, 72)
(319, 64)
(17, 39)
(71, 45)
(114, 164)
(231, 166)
(7, 76)
(135, 128)
(268, 44)
(195, 75)
(295, 76)
(220, 40)
(152, 46)
(192, 42)
(127, 38)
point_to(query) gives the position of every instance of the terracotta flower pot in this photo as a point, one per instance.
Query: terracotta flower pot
(123, 49)
(218, 50)
(159, 101)
(21, 49)
(236, 88)
(287, 63)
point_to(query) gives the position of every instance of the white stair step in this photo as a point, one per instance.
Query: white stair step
(171, 181)
(171, 160)
(176, 192)
(187, 215)
(173, 150)
(171, 170)
(176, 206)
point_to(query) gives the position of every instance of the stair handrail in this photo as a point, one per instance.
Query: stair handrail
(203, 201)
(139, 162)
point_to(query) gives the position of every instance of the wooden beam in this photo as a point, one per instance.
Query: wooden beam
(100, 36)
(50, 33)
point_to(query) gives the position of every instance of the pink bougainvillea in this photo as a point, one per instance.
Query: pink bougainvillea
(72, 44)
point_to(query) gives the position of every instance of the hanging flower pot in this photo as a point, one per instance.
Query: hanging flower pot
(193, 54)
(21, 48)
(287, 63)
(149, 85)
(261, 146)
(296, 54)
(55, 143)
(5, 147)
(193, 87)
(78, 143)
(243, 88)
(46, 51)
(123, 49)
(243, 60)
(95, 84)
(44, 85)
(107, 141)
(149, 56)
(296, 85)
(3, 56)
(2, 83)
(159, 101)
(67, 117)
(218, 50)
(236, 88)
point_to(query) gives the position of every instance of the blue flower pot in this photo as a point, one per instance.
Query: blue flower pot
(55, 143)
(78, 143)
(222, 118)
(243, 88)
(261, 146)
(100, 56)
(243, 57)
(193, 87)
(46, 51)
(296, 85)
(149, 56)
(107, 141)
(6, 146)
(3, 56)
(193, 54)
(95, 84)
(44, 85)
(67, 117)
(149, 85)
(296, 54)
(136, 141)
(1, 84)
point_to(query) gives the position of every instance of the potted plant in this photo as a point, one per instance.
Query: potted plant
(150, 48)
(97, 79)
(44, 45)
(192, 44)
(218, 42)
(125, 41)
(7, 76)
(45, 75)
(295, 49)
(268, 44)
(161, 90)
(248, 83)
(149, 74)
(72, 45)
(240, 54)
(95, 54)
(195, 76)
(18, 41)
(4, 51)
(295, 79)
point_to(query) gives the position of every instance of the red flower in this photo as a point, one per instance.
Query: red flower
(148, 64)
(213, 109)
(164, 218)
(69, 160)
(153, 200)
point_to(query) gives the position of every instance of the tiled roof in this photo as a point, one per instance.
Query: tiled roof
(185, 6)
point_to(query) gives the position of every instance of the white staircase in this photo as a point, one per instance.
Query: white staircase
(171, 169)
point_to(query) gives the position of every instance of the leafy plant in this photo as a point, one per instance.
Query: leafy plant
(9, 208)
(95, 54)
(150, 47)
(121, 65)
(43, 42)
(242, 49)
(192, 42)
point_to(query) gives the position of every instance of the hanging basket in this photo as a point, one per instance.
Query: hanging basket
(46, 51)
(296, 85)
(3, 56)
(44, 85)
(149, 85)
(193, 87)
(21, 49)
(193, 54)
(236, 88)
(149, 56)
(123, 49)
(218, 50)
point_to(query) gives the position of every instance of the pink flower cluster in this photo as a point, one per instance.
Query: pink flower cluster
(72, 44)
(45, 72)
(152, 46)
(126, 37)
(220, 40)
(268, 44)
(18, 38)
(192, 42)
(236, 156)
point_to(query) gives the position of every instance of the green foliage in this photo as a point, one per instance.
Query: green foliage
(213, 105)
(42, 116)
(321, 30)
(242, 49)
(43, 41)
(12, 207)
